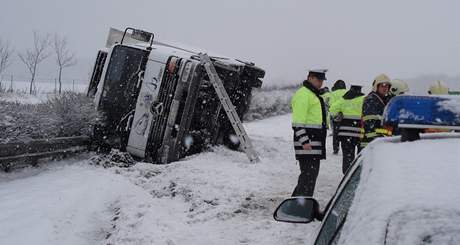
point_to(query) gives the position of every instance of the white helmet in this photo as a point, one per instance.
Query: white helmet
(382, 78)
(438, 87)
(398, 87)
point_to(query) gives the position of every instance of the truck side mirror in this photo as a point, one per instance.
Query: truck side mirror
(298, 210)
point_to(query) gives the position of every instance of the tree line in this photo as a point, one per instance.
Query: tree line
(43, 47)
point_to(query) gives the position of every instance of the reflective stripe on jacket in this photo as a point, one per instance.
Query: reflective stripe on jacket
(373, 107)
(351, 110)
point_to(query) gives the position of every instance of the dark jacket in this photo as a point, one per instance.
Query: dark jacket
(313, 134)
(373, 107)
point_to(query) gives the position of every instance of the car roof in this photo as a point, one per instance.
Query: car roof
(398, 176)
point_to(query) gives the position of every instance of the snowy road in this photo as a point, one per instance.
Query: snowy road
(211, 198)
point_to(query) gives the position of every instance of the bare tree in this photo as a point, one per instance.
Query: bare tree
(5, 58)
(33, 57)
(63, 56)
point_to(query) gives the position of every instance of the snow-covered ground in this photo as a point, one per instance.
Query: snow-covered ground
(215, 197)
(24, 98)
(43, 91)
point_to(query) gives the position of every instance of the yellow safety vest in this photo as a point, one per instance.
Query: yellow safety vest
(306, 109)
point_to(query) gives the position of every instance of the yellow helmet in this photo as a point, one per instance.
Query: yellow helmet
(382, 78)
(438, 87)
(398, 87)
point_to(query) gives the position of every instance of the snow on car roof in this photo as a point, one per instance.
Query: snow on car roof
(420, 177)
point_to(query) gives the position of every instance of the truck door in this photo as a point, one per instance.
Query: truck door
(118, 92)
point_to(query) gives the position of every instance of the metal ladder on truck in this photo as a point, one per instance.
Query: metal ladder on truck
(229, 108)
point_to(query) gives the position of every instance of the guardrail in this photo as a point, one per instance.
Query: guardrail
(19, 154)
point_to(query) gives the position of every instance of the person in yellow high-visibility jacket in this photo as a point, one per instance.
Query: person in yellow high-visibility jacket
(348, 117)
(309, 125)
(338, 90)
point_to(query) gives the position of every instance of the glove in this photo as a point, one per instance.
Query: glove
(338, 117)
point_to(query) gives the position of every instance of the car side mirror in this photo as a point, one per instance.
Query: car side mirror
(298, 210)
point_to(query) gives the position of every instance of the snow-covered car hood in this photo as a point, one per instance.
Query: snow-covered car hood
(416, 225)
(399, 176)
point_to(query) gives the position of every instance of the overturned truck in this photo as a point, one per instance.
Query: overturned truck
(157, 100)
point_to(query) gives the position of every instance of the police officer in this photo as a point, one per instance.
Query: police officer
(373, 106)
(338, 90)
(309, 125)
(348, 117)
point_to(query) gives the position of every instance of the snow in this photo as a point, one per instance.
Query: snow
(216, 197)
(23, 98)
(44, 86)
(44, 90)
(452, 103)
(73, 209)
(411, 189)
(269, 103)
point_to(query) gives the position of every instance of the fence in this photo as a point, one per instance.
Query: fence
(21, 84)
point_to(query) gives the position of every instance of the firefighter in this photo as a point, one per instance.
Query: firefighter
(309, 125)
(438, 87)
(348, 117)
(373, 106)
(398, 87)
(338, 90)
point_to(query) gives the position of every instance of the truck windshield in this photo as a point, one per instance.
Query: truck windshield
(124, 63)
(121, 85)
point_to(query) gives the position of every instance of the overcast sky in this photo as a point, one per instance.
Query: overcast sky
(356, 40)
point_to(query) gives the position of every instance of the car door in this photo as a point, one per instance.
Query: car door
(337, 210)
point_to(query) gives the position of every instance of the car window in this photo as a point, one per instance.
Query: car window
(333, 222)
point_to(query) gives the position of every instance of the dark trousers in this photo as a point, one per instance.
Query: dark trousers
(335, 136)
(349, 147)
(309, 170)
